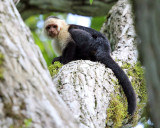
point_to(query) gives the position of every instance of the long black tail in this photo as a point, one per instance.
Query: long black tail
(124, 82)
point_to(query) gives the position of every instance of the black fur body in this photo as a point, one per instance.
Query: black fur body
(89, 44)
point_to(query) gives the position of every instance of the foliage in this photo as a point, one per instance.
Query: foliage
(32, 22)
(45, 47)
(90, 1)
(97, 22)
(54, 68)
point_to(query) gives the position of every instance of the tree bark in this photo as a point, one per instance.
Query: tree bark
(148, 27)
(27, 93)
(119, 28)
(81, 7)
(86, 87)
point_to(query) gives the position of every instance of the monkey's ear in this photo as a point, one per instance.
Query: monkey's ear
(59, 27)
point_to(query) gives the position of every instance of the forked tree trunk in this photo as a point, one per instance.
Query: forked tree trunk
(27, 93)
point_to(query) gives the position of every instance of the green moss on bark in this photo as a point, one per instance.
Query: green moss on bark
(117, 111)
(26, 123)
(1, 66)
(54, 68)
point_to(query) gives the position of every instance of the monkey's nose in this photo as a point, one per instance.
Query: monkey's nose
(51, 34)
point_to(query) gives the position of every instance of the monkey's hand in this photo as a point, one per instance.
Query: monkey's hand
(56, 59)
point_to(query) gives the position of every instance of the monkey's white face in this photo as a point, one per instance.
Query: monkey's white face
(57, 29)
(52, 30)
(52, 27)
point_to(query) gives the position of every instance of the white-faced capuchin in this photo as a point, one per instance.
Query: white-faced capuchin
(74, 42)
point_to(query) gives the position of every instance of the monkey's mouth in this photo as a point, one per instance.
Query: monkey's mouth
(51, 34)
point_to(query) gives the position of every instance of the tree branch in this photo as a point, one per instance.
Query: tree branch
(81, 7)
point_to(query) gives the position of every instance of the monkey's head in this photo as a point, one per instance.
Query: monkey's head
(52, 26)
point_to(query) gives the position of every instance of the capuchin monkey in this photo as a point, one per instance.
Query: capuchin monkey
(74, 42)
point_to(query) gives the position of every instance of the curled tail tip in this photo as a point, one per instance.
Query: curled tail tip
(132, 104)
(131, 113)
(132, 109)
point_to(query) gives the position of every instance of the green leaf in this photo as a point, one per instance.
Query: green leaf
(90, 1)
(97, 22)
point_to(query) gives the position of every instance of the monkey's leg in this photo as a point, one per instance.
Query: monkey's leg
(56, 59)
(68, 53)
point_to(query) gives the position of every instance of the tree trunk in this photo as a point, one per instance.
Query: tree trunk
(81, 7)
(27, 94)
(119, 28)
(148, 26)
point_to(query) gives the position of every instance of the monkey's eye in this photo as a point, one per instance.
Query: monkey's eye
(54, 26)
(48, 27)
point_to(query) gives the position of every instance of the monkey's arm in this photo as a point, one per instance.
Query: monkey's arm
(56, 59)
(68, 53)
